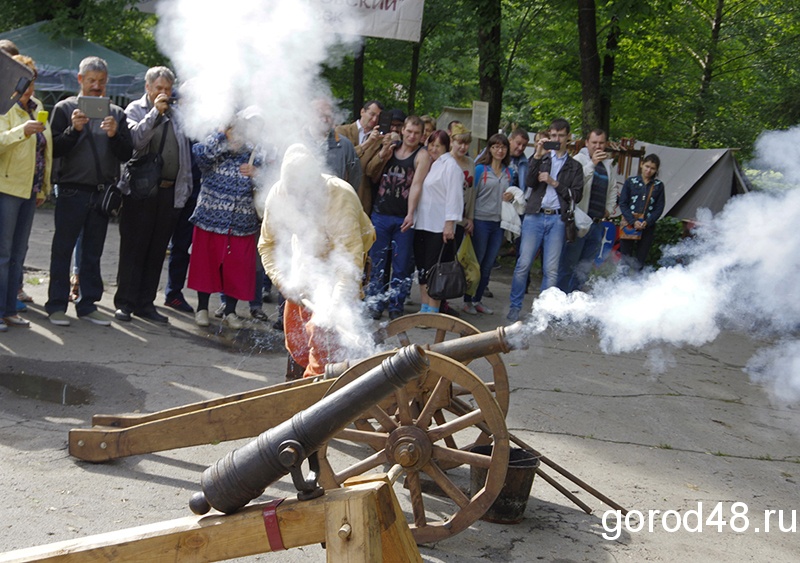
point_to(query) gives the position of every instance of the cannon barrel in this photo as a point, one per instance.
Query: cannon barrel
(243, 474)
(502, 339)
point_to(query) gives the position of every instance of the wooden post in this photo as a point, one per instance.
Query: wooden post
(371, 510)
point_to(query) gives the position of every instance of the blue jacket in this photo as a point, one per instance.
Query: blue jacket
(225, 205)
(632, 196)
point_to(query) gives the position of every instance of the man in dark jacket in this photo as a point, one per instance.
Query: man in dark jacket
(554, 180)
(91, 151)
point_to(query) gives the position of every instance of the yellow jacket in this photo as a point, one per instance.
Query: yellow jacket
(18, 154)
(338, 231)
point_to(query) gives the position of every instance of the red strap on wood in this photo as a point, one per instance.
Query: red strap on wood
(271, 525)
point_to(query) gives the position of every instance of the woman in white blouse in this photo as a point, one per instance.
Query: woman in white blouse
(440, 207)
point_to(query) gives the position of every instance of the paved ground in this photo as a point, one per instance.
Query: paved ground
(696, 432)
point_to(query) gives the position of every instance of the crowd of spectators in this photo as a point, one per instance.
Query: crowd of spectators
(418, 184)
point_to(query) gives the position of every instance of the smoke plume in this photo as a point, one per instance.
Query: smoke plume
(266, 56)
(739, 272)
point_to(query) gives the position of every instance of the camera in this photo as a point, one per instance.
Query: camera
(551, 145)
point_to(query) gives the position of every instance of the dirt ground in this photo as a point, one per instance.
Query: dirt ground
(695, 440)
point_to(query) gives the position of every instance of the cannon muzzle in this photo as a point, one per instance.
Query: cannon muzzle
(502, 339)
(244, 473)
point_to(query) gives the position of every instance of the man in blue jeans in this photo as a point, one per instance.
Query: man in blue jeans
(599, 202)
(554, 179)
(91, 151)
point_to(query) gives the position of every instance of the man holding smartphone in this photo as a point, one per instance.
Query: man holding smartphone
(366, 139)
(91, 151)
(554, 179)
(599, 186)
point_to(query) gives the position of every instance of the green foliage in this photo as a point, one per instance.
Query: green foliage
(669, 231)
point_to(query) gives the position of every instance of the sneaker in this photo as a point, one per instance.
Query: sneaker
(16, 320)
(513, 314)
(122, 314)
(150, 314)
(232, 321)
(375, 314)
(24, 297)
(481, 308)
(96, 317)
(59, 318)
(3, 326)
(259, 314)
(201, 317)
(487, 293)
(469, 309)
(179, 304)
(220, 311)
(21, 307)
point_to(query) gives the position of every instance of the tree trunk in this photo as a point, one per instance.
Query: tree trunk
(358, 80)
(705, 80)
(607, 78)
(590, 66)
(412, 86)
(489, 15)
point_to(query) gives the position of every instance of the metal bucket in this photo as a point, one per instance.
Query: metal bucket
(509, 506)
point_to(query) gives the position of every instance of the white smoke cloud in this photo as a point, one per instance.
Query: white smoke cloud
(740, 272)
(268, 53)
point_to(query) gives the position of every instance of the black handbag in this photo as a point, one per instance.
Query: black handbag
(143, 174)
(110, 203)
(446, 280)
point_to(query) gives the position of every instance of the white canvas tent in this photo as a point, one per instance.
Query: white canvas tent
(696, 178)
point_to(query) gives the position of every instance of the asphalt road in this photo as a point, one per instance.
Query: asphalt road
(689, 439)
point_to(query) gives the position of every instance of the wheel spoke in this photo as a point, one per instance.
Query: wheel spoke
(431, 406)
(440, 420)
(440, 335)
(460, 457)
(449, 428)
(376, 440)
(417, 504)
(444, 482)
(403, 338)
(403, 408)
(383, 418)
(362, 466)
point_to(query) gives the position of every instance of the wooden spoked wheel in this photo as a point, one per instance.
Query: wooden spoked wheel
(445, 327)
(405, 437)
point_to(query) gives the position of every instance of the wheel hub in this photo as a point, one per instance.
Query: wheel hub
(410, 447)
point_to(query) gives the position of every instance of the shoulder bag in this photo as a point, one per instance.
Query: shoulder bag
(143, 174)
(626, 230)
(446, 280)
(110, 202)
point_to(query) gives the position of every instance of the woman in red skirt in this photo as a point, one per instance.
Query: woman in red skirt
(225, 225)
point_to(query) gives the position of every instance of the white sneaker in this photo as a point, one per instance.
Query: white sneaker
(96, 317)
(481, 308)
(232, 321)
(469, 308)
(220, 311)
(59, 318)
(201, 317)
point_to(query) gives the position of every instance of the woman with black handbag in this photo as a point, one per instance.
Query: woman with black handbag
(440, 207)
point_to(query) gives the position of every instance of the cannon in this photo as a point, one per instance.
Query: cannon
(426, 427)
(244, 473)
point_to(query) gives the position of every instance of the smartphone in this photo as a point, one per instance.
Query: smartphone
(94, 107)
(385, 122)
(42, 116)
(551, 145)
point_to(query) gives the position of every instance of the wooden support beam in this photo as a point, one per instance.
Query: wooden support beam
(217, 423)
(370, 508)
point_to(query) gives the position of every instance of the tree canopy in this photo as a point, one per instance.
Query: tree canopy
(693, 73)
